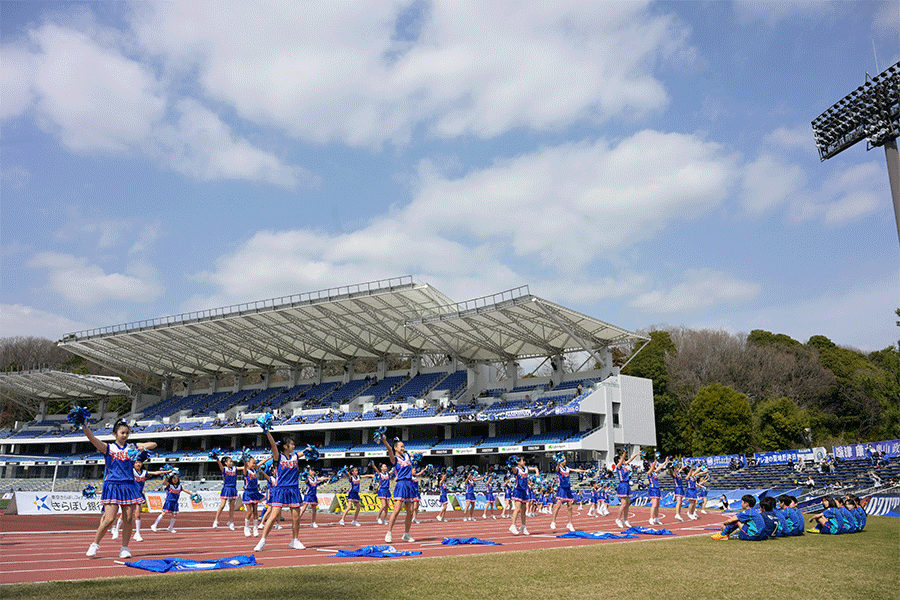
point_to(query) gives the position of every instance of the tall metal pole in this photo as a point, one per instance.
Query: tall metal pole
(893, 165)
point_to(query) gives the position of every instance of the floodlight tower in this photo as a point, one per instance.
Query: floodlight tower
(871, 112)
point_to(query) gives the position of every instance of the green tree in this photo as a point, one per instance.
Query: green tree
(778, 424)
(722, 421)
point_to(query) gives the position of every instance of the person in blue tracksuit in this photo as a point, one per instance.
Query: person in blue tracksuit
(829, 520)
(748, 524)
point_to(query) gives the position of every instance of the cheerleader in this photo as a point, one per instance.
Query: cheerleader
(383, 479)
(272, 479)
(353, 499)
(653, 491)
(520, 495)
(404, 491)
(229, 490)
(443, 499)
(468, 515)
(173, 489)
(578, 498)
(507, 499)
(604, 502)
(623, 490)
(285, 493)
(252, 496)
(564, 492)
(594, 500)
(489, 500)
(702, 492)
(678, 474)
(311, 496)
(119, 487)
(691, 493)
(140, 477)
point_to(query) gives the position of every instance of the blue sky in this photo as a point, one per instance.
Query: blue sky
(644, 163)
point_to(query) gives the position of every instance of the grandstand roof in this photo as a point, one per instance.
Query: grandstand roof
(375, 319)
(28, 388)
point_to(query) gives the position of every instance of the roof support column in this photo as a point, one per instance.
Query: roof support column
(348, 371)
(512, 373)
(42, 411)
(415, 364)
(295, 376)
(318, 376)
(382, 369)
(556, 373)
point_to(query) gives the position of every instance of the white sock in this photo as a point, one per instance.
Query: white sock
(158, 519)
(172, 523)
(137, 525)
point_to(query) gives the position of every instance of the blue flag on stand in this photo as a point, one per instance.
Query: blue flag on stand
(377, 552)
(648, 531)
(597, 536)
(185, 564)
(471, 540)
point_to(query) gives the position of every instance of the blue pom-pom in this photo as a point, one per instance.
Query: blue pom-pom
(89, 492)
(450, 471)
(196, 498)
(143, 456)
(512, 462)
(245, 455)
(311, 454)
(78, 415)
(133, 451)
(559, 457)
(214, 454)
(265, 421)
(416, 457)
(379, 433)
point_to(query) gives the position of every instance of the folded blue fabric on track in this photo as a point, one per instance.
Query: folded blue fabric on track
(598, 535)
(471, 540)
(377, 552)
(647, 531)
(165, 565)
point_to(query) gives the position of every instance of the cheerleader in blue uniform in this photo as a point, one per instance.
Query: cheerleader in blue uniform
(383, 479)
(507, 499)
(251, 496)
(119, 488)
(405, 492)
(353, 499)
(691, 493)
(311, 497)
(564, 492)
(678, 474)
(653, 491)
(173, 489)
(702, 492)
(140, 478)
(490, 500)
(520, 495)
(623, 489)
(443, 501)
(594, 500)
(285, 493)
(229, 490)
(469, 515)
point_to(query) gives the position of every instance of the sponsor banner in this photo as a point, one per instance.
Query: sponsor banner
(467, 417)
(881, 505)
(376, 453)
(56, 503)
(512, 449)
(508, 414)
(209, 501)
(486, 450)
(568, 409)
(336, 455)
(889, 448)
(722, 460)
(464, 451)
(533, 448)
(441, 451)
(564, 446)
(784, 456)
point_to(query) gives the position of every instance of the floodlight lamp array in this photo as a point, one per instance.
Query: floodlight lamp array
(871, 112)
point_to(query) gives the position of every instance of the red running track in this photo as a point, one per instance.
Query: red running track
(38, 549)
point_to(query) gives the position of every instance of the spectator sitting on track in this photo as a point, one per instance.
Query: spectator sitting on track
(749, 523)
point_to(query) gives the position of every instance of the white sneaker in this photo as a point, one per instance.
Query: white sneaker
(296, 545)
(525, 531)
(379, 521)
(494, 518)
(702, 512)
(388, 538)
(415, 520)
(92, 550)
(484, 516)
(552, 526)
(278, 526)
(231, 526)
(246, 531)
(153, 528)
(619, 524)
(693, 517)
(260, 546)
(627, 524)
(255, 531)
(652, 521)
(341, 522)
(170, 530)
(570, 527)
(315, 526)
(356, 524)
(124, 552)
(678, 518)
(513, 530)
(407, 538)
(215, 524)
(138, 538)
(115, 533)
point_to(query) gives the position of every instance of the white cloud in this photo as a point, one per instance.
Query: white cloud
(769, 181)
(16, 177)
(19, 320)
(798, 137)
(701, 288)
(851, 193)
(78, 281)
(772, 12)
(476, 70)
(17, 68)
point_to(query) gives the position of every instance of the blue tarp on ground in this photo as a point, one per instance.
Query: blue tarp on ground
(377, 552)
(471, 540)
(647, 531)
(598, 535)
(185, 564)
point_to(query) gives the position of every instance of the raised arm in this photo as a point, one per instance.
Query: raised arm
(100, 446)
(390, 450)
(275, 455)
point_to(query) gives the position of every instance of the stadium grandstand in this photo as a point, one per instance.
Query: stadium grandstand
(460, 398)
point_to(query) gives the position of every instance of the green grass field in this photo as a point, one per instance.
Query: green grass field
(863, 566)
